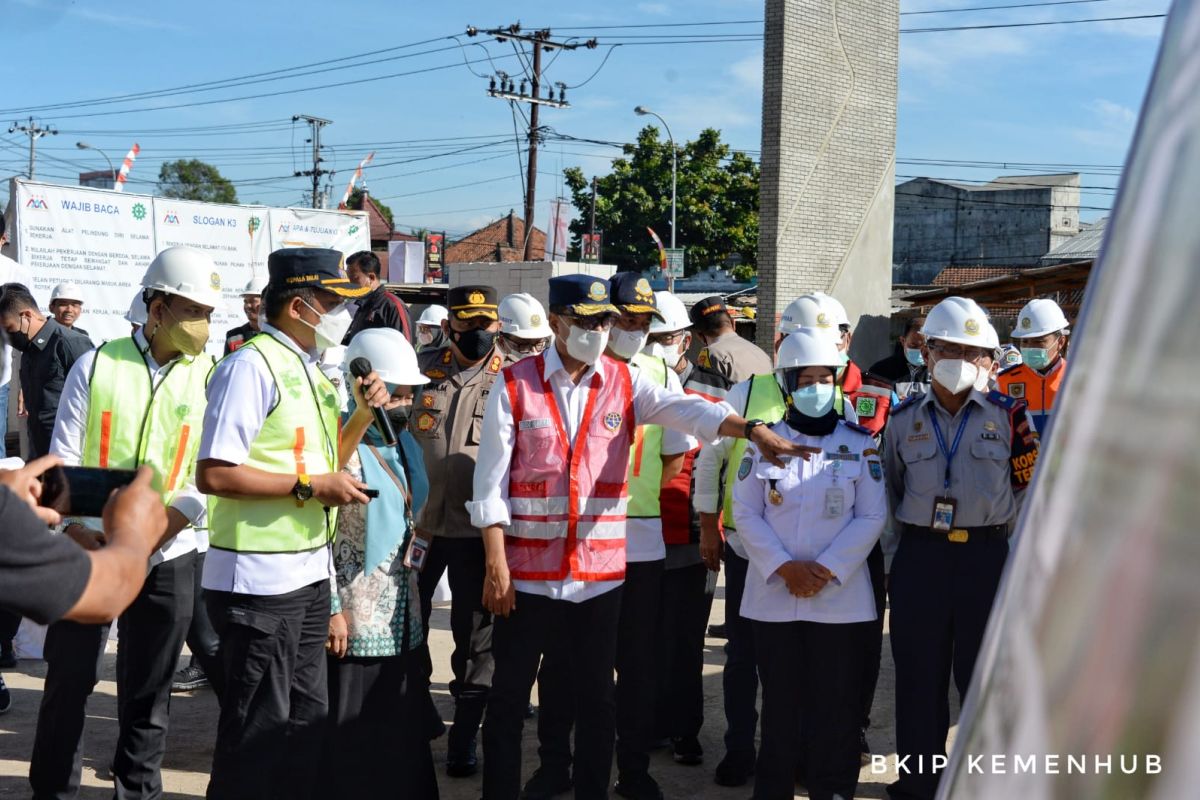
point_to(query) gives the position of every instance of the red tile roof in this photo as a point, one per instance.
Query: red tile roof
(501, 241)
(956, 276)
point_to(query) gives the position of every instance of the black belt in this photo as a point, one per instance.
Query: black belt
(957, 535)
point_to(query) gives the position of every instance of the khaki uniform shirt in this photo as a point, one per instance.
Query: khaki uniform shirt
(735, 358)
(447, 420)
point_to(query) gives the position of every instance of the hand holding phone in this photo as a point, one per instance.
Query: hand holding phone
(82, 491)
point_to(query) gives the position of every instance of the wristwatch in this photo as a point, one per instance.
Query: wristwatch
(751, 424)
(303, 489)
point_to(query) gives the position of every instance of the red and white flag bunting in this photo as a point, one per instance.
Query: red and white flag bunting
(127, 165)
(354, 179)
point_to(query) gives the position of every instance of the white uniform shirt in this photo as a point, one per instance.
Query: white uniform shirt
(651, 405)
(240, 395)
(11, 272)
(833, 509)
(644, 537)
(70, 431)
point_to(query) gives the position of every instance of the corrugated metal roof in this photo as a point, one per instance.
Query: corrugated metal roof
(1084, 245)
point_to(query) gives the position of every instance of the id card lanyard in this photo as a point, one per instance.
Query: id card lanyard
(941, 440)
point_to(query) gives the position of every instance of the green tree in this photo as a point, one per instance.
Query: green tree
(716, 206)
(191, 179)
(356, 202)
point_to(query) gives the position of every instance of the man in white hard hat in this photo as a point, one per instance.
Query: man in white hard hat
(252, 308)
(429, 328)
(958, 460)
(133, 401)
(66, 304)
(1041, 333)
(524, 326)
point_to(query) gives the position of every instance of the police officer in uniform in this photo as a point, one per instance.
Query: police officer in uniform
(447, 420)
(133, 401)
(958, 460)
(270, 462)
(724, 352)
(550, 496)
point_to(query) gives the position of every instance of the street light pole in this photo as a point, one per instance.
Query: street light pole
(642, 111)
(112, 172)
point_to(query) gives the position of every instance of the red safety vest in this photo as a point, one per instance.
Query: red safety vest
(568, 500)
(869, 396)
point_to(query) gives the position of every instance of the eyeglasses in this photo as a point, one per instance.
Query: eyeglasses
(972, 354)
(525, 347)
(666, 339)
(592, 322)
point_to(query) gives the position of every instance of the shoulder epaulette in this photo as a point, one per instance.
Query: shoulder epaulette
(906, 402)
(854, 426)
(1004, 401)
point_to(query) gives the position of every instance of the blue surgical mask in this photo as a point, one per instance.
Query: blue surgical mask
(914, 357)
(814, 400)
(1036, 357)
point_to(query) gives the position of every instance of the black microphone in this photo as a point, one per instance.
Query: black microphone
(361, 368)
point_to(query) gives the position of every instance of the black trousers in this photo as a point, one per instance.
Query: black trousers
(809, 669)
(739, 679)
(201, 636)
(581, 638)
(74, 656)
(873, 641)
(10, 621)
(470, 625)
(942, 595)
(376, 746)
(682, 619)
(149, 635)
(275, 703)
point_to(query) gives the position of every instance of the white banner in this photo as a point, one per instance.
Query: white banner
(103, 241)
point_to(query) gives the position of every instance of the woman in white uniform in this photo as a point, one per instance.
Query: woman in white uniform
(807, 529)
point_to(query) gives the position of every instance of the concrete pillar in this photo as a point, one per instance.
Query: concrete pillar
(828, 161)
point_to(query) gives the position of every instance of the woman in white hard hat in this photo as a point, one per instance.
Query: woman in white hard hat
(524, 326)
(807, 529)
(1041, 333)
(429, 328)
(376, 697)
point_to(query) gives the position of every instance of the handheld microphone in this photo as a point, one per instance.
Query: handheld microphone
(361, 368)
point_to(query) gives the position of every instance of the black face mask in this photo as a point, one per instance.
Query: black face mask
(398, 417)
(19, 340)
(475, 343)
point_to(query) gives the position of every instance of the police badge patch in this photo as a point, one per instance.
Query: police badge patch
(1016, 390)
(745, 467)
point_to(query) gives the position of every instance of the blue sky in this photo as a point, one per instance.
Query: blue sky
(1065, 94)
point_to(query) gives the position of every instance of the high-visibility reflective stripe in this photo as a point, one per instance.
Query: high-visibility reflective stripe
(538, 506)
(298, 451)
(608, 529)
(105, 437)
(184, 431)
(875, 390)
(639, 441)
(602, 506)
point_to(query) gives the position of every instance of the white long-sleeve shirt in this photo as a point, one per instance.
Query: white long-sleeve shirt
(830, 509)
(240, 395)
(652, 405)
(70, 432)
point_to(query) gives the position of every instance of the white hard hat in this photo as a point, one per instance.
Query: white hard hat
(962, 321)
(674, 314)
(834, 305)
(187, 273)
(136, 315)
(390, 354)
(67, 291)
(433, 315)
(521, 315)
(808, 347)
(812, 310)
(258, 282)
(1038, 318)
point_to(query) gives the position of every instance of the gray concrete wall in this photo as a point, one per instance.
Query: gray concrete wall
(828, 161)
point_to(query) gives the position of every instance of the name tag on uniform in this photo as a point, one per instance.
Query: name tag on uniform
(842, 456)
(835, 503)
(532, 424)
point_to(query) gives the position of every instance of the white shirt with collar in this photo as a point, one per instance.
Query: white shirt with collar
(70, 432)
(11, 272)
(832, 510)
(241, 394)
(652, 405)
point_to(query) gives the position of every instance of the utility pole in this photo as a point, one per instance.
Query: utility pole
(34, 132)
(502, 86)
(315, 123)
(592, 224)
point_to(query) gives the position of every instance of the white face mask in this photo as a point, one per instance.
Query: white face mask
(424, 336)
(586, 346)
(670, 354)
(984, 381)
(331, 327)
(627, 344)
(957, 375)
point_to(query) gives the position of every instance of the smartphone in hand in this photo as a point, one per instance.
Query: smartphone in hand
(82, 491)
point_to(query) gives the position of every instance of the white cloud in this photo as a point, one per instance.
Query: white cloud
(748, 72)
(1112, 126)
(655, 9)
(1113, 115)
(121, 20)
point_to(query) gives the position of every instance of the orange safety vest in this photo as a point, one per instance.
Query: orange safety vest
(1037, 390)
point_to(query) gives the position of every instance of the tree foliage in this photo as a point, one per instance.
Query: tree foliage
(717, 203)
(356, 202)
(191, 179)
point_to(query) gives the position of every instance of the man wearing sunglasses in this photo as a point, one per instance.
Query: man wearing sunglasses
(958, 460)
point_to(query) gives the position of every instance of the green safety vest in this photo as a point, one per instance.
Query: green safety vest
(131, 422)
(764, 402)
(298, 437)
(645, 456)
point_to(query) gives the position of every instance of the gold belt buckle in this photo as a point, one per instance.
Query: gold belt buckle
(958, 535)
